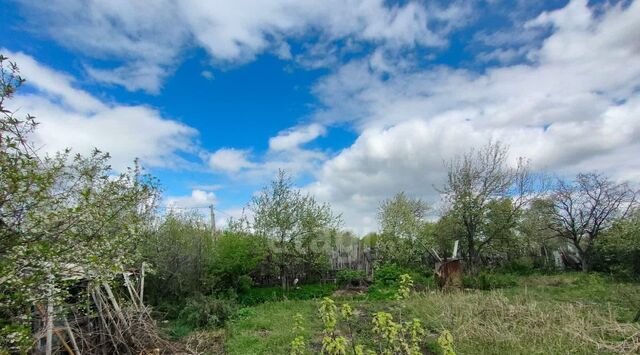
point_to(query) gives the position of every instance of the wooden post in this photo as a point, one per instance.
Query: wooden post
(142, 285)
(114, 302)
(49, 314)
(130, 289)
(72, 337)
(455, 250)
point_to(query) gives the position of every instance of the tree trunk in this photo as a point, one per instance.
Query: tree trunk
(473, 255)
(584, 262)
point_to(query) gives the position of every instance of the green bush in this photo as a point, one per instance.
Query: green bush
(385, 281)
(350, 277)
(207, 311)
(236, 255)
(379, 291)
(265, 294)
(489, 281)
(522, 266)
(389, 274)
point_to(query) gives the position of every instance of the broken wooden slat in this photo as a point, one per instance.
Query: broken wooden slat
(72, 337)
(142, 285)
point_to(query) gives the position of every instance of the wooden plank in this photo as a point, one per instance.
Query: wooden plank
(98, 302)
(72, 337)
(49, 347)
(142, 285)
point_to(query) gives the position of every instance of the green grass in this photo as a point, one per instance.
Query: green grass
(266, 328)
(558, 314)
(256, 296)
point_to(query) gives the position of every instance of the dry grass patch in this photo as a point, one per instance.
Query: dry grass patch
(491, 323)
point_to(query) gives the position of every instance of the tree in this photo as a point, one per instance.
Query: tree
(618, 249)
(588, 206)
(402, 238)
(500, 224)
(236, 256)
(292, 220)
(180, 252)
(476, 181)
(60, 215)
(533, 226)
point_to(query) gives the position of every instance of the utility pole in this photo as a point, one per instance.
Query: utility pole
(213, 221)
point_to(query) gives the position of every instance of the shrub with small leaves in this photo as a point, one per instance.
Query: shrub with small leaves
(298, 345)
(350, 277)
(391, 337)
(328, 311)
(334, 345)
(388, 331)
(406, 284)
(445, 341)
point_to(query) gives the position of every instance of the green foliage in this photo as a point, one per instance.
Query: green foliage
(541, 315)
(388, 274)
(259, 295)
(500, 224)
(180, 252)
(235, 256)
(387, 281)
(521, 266)
(445, 341)
(589, 207)
(294, 222)
(489, 280)
(397, 338)
(405, 236)
(485, 194)
(350, 277)
(328, 310)
(60, 215)
(207, 311)
(404, 289)
(618, 250)
(298, 345)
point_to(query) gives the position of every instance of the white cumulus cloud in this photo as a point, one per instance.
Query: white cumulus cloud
(73, 118)
(229, 160)
(574, 106)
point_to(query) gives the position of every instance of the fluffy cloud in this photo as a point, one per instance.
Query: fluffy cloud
(72, 118)
(573, 105)
(229, 160)
(197, 199)
(293, 138)
(146, 37)
(285, 152)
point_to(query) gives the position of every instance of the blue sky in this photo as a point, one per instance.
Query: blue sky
(356, 99)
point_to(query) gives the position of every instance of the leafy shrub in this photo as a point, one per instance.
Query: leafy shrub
(389, 336)
(235, 256)
(389, 274)
(305, 292)
(244, 283)
(350, 277)
(386, 282)
(207, 311)
(489, 281)
(521, 266)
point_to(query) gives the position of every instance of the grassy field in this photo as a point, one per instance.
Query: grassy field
(557, 314)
